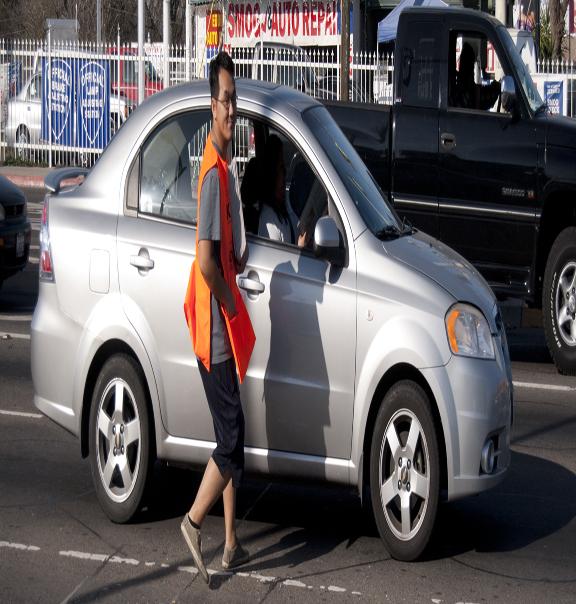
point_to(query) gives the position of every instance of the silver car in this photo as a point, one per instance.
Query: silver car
(380, 361)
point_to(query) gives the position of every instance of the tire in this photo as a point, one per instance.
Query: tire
(559, 301)
(121, 457)
(22, 139)
(405, 475)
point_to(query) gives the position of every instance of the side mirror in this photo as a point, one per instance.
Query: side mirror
(508, 94)
(328, 241)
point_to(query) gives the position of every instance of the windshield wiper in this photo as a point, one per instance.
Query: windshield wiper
(388, 232)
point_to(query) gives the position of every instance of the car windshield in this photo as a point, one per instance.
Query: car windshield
(360, 184)
(526, 81)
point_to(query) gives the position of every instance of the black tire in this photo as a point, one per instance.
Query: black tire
(559, 301)
(121, 452)
(408, 471)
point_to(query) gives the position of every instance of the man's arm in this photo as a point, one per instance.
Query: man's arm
(213, 277)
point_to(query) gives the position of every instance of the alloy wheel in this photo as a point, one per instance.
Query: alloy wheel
(118, 438)
(565, 304)
(404, 470)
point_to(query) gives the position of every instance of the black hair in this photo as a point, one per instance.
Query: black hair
(221, 61)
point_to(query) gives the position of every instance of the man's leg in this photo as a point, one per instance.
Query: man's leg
(229, 497)
(211, 487)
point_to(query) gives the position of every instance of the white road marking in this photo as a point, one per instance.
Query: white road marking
(535, 386)
(21, 414)
(105, 558)
(4, 317)
(14, 336)
(20, 546)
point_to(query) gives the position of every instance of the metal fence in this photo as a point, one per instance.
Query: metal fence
(74, 123)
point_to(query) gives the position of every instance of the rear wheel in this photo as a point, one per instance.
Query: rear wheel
(120, 450)
(559, 301)
(405, 471)
(22, 140)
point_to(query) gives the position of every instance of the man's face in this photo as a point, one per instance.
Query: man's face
(224, 107)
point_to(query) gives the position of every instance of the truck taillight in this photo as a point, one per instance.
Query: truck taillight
(46, 265)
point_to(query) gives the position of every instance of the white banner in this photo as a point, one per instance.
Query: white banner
(301, 22)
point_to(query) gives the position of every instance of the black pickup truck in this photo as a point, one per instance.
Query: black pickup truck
(469, 153)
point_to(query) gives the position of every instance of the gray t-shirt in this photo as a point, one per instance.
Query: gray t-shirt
(209, 229)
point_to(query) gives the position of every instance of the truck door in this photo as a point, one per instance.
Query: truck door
(488, 164)
(415, 130)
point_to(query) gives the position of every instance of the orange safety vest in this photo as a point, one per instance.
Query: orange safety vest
(197, 304)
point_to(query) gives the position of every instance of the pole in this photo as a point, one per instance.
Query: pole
(166, 42)
(188, 49)
(99, 21)
(345, 49)
(140, 51)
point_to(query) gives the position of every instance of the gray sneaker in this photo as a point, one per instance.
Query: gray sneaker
(194, 541)
(235, 556)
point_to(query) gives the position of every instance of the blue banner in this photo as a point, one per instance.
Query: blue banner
(553, 97)
(93, 104)
(14, 78)
(57, 101)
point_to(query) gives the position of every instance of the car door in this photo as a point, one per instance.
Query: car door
(488, 170)
(299, 390)
(156, 243)
(414, 186)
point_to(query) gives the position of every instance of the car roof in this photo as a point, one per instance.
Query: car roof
(282, 99)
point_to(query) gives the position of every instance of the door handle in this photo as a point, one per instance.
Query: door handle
(251, 285)
(142, 261)
(448, 140)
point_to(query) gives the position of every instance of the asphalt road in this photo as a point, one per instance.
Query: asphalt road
(310, 543)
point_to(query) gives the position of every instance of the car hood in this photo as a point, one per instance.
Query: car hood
(446, 267)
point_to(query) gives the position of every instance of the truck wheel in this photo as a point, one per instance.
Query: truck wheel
(404, 471)
(559, 301)
(120, 455)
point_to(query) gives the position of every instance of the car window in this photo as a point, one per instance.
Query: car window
(170, 167)
(359, 182)
(474, 71)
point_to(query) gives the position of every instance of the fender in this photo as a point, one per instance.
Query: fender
(382, 355)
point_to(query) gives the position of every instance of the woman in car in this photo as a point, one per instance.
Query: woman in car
(274, 219)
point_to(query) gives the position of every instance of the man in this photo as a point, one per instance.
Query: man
(218, 321)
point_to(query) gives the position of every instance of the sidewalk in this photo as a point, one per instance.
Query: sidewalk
(24, 176)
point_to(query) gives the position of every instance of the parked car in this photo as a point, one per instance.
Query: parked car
(14, 230)
(487, 170)
(124, 75)
(24, 116)
(380, 357)
(286, 64)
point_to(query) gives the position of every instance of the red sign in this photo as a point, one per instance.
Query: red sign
(213, 29)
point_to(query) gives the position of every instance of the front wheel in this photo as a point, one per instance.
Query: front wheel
(120, 451)
(405, 471)
(559, 301)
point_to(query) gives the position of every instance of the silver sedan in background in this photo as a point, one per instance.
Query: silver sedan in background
(380, 360)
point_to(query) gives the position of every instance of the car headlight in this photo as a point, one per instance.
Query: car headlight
(468, 332)
(2, 213)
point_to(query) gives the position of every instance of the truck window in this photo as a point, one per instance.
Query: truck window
(474, 72)
(420, 65)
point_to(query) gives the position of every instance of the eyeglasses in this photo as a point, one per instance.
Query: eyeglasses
(227, 101)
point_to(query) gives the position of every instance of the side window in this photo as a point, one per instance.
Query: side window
(282, 198)
(474, 72)
(129, 72)
(420, 66)
(170, 167)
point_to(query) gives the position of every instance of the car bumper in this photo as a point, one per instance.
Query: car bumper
(13, 259)
(54, 336)
(475, 401)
